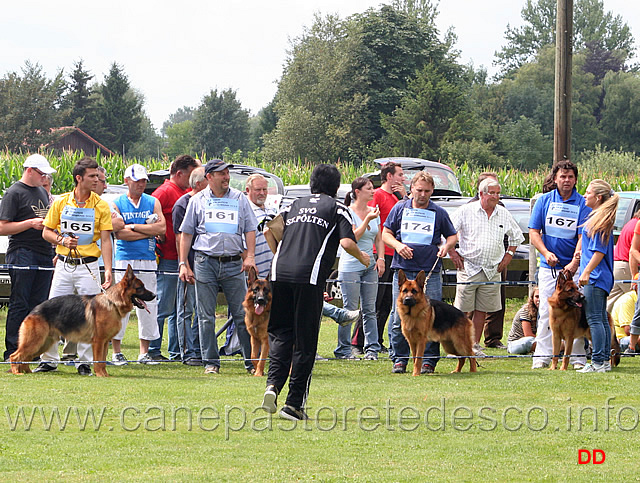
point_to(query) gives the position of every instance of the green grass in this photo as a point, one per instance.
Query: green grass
(368, 441)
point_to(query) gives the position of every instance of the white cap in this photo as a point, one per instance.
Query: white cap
(136, 172)
(38, 161)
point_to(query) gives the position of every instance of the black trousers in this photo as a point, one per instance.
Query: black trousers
(294, 327)
(494, 321)
(28, 289)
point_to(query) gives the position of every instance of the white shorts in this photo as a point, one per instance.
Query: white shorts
(147, 321)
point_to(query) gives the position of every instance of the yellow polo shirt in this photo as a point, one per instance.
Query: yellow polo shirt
(622, 312)
(102, 221)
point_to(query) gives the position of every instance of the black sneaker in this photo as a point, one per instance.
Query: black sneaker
(292, 414)
(399, 368)
(270, 399)
(158, 357)
(84, 370)
(45, 367)
(426, 369)
(193, 362)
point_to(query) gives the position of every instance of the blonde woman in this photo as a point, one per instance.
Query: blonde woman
(596, 269)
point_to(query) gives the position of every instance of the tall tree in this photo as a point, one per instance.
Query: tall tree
(184, 113)
(591, 24)
(119, 112)
(220, 122)
(180, 139)
(342, 75)
(78, 97)
(30, 106)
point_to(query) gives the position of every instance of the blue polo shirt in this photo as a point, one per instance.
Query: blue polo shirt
(424, 255)
(559, 223)
(602, 275)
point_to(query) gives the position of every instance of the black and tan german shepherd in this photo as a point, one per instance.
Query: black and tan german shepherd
(257, 310)
(568, 321)
(92, 319)
(425, 320)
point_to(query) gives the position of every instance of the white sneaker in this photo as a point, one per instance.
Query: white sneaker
(607, 366)
(351, 316)
(577, 366)
(539, 364)
(118, 359)
(593, 367)
(146, 359)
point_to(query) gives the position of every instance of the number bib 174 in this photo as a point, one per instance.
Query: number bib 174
(79, 221)
(221, 215)
(417, 226)
(562, 220)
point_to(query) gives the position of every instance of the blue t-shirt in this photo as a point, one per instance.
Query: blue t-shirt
(144, 249)
(602, 275)
(349, 263)
(559, 222)
(425, 228)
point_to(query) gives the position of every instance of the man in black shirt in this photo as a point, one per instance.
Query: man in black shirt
(313, 228)
(22, 212)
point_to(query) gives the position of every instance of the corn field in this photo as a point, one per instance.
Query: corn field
(619, 169)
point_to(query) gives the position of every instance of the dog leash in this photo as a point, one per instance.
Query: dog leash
(424, 289)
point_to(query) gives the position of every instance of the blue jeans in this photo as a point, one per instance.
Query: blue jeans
(634, 328)
(167, 290)
(211, 274)
(596, 312)
(188, 334)
(365, 294)
(401, 351)
(28, 289)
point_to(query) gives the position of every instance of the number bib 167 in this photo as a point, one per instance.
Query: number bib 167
(417, 226)
(562, 220)
(221, 215)
(80, 222)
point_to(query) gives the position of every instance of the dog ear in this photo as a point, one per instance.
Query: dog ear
(402, 278)
(252, 275)
(421, 278)
(129, 273)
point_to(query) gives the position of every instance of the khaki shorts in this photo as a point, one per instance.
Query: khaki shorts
(485, 298)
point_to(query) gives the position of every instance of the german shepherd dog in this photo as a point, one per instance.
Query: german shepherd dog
(257, 309)
(425, 320)
(568, 321)
(93, 319)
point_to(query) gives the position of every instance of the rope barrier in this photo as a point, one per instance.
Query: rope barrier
(380, 359)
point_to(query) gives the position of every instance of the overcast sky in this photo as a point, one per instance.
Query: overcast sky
(176, 52)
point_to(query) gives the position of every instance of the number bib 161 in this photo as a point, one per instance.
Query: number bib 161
(417, 226)
(80, 222)
(221, 215)
(562, 220)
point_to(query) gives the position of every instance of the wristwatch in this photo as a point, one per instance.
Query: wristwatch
(511, 252)
(181, 263)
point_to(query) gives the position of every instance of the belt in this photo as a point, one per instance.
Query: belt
(223, 259)
(77, 260)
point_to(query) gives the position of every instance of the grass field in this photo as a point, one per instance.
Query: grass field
(171, 422)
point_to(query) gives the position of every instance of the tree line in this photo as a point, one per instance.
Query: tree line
(382, 82)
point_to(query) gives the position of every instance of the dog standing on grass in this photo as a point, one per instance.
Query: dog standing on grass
(92, 319)
(568, 321)
(425, 320)
(257, 310)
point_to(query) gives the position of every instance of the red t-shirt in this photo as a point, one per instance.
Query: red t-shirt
(385, 201)
(621, 250)
(167, 194)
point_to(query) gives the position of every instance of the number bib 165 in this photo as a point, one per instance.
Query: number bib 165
(80, 222)
(417, 226)
(221, 215)
(562, 220)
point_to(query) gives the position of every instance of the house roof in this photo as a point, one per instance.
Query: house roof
(67, 130)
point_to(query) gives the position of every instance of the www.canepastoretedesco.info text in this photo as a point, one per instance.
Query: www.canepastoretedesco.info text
(443, 416)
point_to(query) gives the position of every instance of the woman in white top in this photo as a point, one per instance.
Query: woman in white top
(361, 284)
